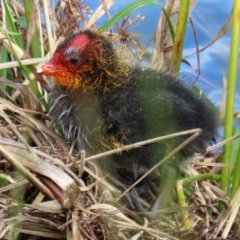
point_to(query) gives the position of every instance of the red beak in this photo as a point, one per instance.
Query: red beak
(47, 70)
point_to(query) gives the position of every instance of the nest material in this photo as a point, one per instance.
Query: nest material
(43, 196)
(47, 192)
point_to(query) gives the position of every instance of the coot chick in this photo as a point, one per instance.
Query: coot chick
(102, 104)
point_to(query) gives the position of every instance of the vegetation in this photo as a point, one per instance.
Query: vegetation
(49, 191)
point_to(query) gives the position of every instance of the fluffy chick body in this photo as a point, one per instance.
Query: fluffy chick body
(101, 104)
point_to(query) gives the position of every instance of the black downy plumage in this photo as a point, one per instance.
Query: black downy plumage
(108, 105)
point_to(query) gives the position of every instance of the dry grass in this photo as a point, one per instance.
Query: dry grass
(50, 192)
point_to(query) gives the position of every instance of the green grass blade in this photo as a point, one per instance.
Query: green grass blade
(4, 72)
(29, 12)
(170, 26)
(180, 35)
(11, 24)
(32, 84)
(235, 155)
(127, 10)
(231, 88)
(22, 20)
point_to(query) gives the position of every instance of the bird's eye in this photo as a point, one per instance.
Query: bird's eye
(73, 61)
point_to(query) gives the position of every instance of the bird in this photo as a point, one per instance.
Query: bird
(101, 103)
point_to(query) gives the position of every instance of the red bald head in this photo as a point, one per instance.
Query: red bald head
(72, 58)
(85, 60)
